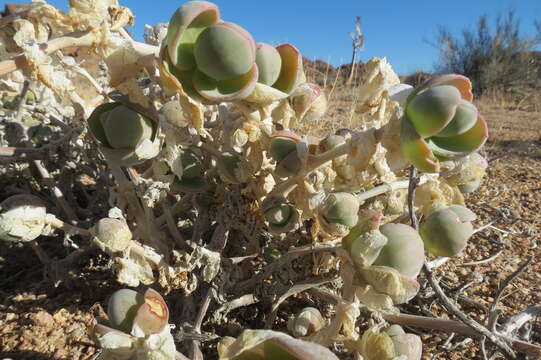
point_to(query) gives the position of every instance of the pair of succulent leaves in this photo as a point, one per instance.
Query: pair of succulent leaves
(219, 61)
(440, 122)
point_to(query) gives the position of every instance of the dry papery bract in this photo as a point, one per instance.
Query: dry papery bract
(216, 197)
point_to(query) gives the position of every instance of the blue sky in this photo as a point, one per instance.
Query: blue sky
(397, 29)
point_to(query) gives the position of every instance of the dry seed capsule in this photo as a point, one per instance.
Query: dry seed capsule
(22, 218)
(308, 321)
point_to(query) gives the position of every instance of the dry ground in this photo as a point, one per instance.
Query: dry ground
(40, 321)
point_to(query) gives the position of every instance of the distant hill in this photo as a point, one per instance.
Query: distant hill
(318, 70)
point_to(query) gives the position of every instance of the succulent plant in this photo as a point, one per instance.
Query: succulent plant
(308, 321)
(112, 234)
(137, 327)
(391, 343)
(211, 58)
(440, 122)
(22, 218)
(271, 345)
(339, 213)
(126, 136)
(289, 152)
(404, 250)
(219, 61)
(193, 171)
(281, 215)
(447, 230)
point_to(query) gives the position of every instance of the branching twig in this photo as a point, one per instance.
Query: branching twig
(284, 259)
(493, 311)
(449, 304)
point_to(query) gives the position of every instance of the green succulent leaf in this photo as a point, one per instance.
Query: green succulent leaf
(122, 308)
(341, 208)
(269, 63)
(224, 51)
(125, 128)
(185, 26)
(416, 150)
(432, 110)
(231, 167)
(235, 88)
(464, 119)
(466, 142)
(404, 250)
(282, 146)
(95, 124)
(444, 234)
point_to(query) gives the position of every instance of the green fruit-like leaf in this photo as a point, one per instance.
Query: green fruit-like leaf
(122, 308)
(95, 124)
(364, 247)
(466, 142)
(404, 250)
(464, 214)
(341, 208)
(430, 111)
(281, 216)
(416, 150)
(269, 63)
(464, 119)
(230, 165)
(125, 128)
(224, 51)
(444, 234)
(186, 24)
(280, 147)
(235, 88)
